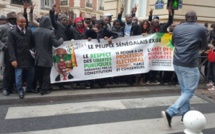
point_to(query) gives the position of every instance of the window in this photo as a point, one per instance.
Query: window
(20, 2)
(89, 3)
(46, 4)
(64, 2)
(101, 4)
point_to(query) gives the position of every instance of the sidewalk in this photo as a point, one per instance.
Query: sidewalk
(108, 91)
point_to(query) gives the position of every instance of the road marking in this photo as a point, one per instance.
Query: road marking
(149, 126)
(94, 106)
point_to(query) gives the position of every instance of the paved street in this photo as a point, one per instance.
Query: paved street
(119, 110)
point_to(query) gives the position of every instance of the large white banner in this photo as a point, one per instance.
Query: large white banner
(84, 60)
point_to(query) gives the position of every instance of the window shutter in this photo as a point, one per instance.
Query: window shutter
(42, 4)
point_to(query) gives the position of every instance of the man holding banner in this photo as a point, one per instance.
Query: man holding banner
(187, 38)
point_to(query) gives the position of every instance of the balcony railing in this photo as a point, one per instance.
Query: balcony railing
(101, 8)
(64, 3)
(89, 5)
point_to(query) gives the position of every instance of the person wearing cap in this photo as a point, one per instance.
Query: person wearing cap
(60, 24)
(8, 74)
(88, 21)
(78, 30)
(107, 22)
(3, 20)
(109, 15)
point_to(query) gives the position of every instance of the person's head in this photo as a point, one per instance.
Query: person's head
(79, 22)
(156, 23)
(172, 27)
(145, 26)
(128, 18)
(117, 24)
(63, 62)
(3, 20)
(63, 18)
(100, 24)
(135, 20)
(94, 17)
(213, 26)
(191, 16)
(88, 19)
(106, 20)
(109, 15)
(11, 18)
(206, 25)
(156, 17)
(21, 21)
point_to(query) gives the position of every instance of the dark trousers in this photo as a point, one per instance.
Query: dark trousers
(9, 73)
(151, 76)
(211, 72)
(43, 76)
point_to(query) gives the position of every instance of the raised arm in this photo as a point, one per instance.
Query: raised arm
(134, 10)
(150, 15)
(32, 21)
(52, 17)
(170, 20)
(119, 17)
(25, 5)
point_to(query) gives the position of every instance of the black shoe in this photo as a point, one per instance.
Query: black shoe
(182, 120)
(167, 118)
(5, 93)
(44, 92)
(21, 95)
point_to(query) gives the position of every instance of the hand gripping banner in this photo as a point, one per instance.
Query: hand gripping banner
(85, 60)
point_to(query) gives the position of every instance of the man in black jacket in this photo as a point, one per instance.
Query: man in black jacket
(59, 23)
(19, 44)
(157, 27)
(44, 39)
(8, 76)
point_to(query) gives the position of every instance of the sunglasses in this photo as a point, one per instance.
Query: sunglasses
(65, 57)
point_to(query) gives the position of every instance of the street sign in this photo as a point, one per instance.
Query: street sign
(159, 4)
(180, 3)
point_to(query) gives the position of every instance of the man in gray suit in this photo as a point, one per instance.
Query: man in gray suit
(44, 39)
(9, 70)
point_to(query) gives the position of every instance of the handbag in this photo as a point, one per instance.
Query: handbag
(211, 55)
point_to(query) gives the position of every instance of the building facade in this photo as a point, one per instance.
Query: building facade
(83, 7)
(113, 7)
(7, 6)
(205, 9)
(79, 7)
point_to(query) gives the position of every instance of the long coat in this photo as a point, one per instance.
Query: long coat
(44, 39)
(19, 45)
(4, 30)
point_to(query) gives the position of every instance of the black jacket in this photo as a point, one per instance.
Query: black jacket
(19, 45)
(72, 33)
(104, 32)
(60, 29)
(163, 27)
(44, 39)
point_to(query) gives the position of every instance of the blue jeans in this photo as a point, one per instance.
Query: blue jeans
(188, 78)
(18, 78)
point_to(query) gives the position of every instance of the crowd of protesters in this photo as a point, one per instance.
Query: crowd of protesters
(26, 43)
